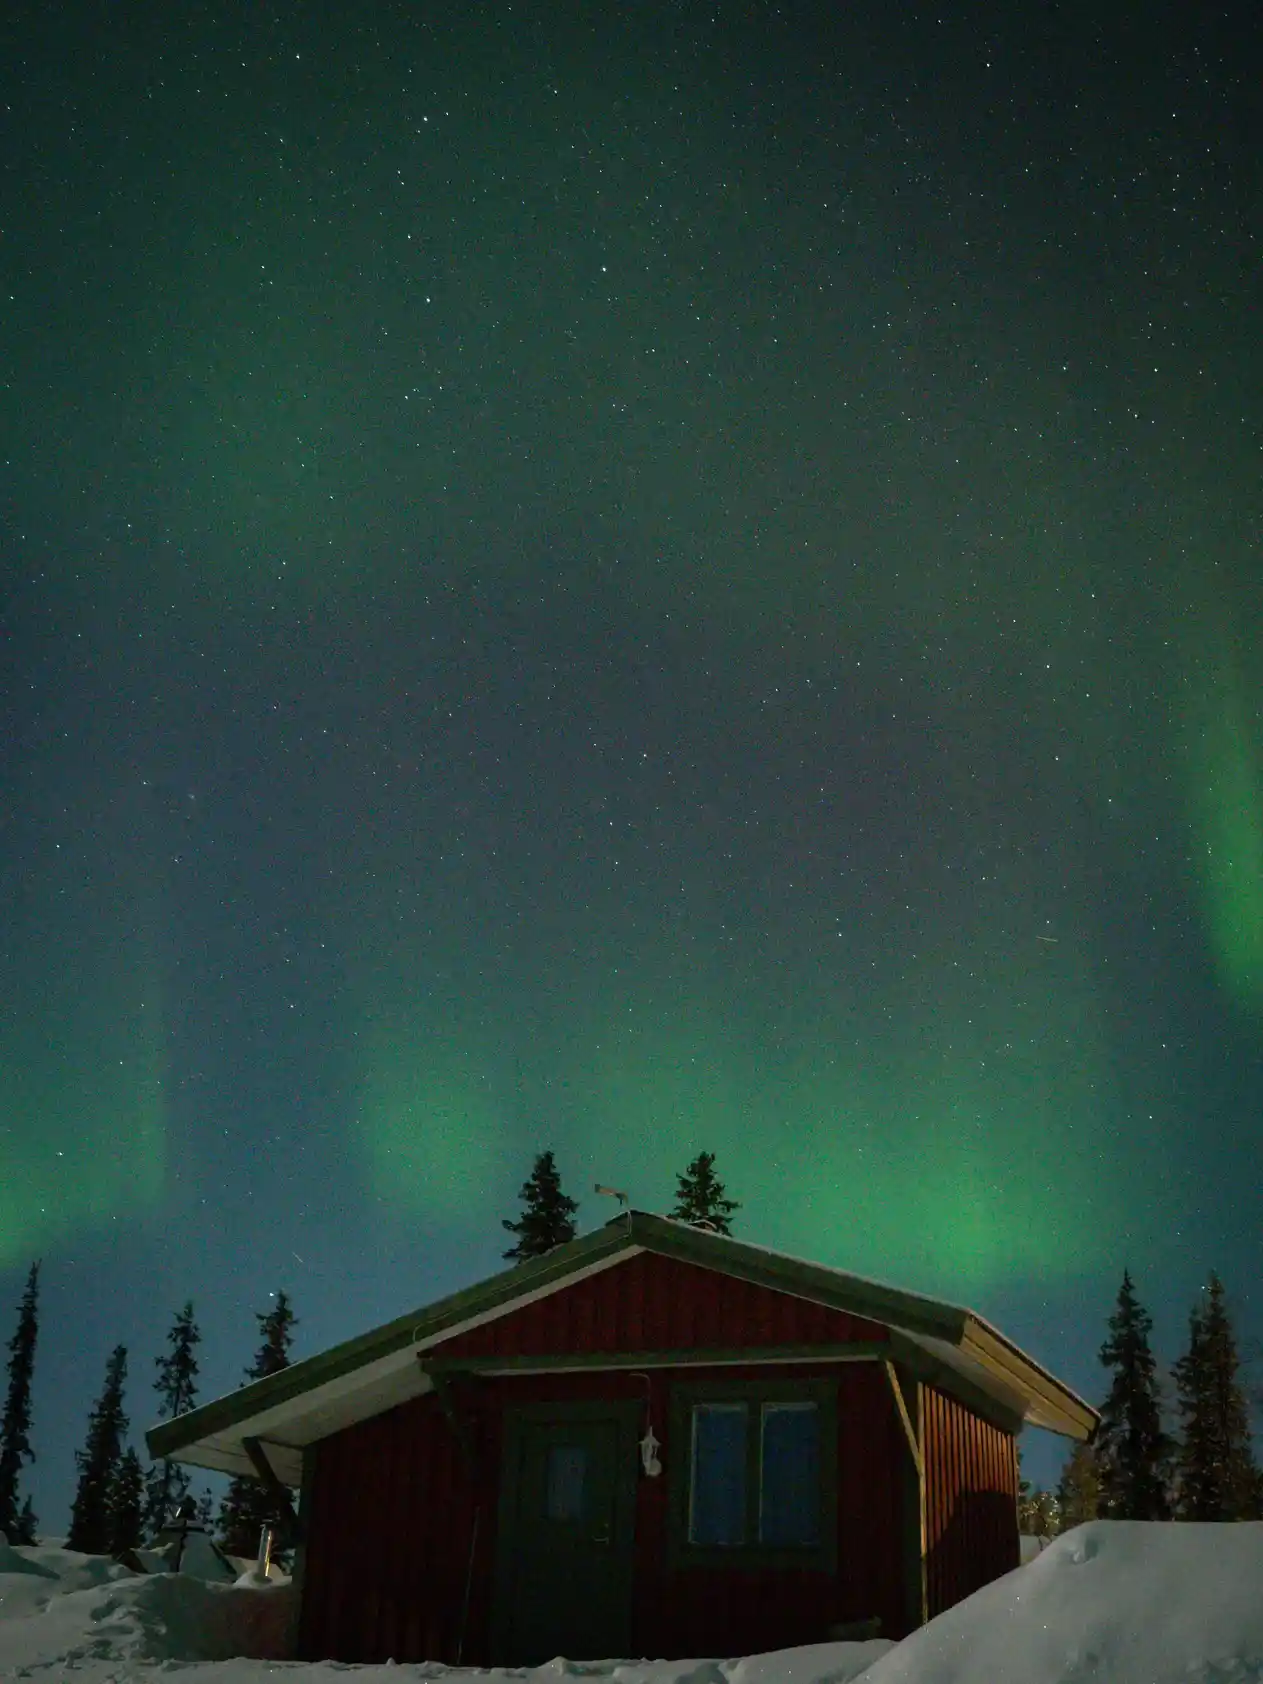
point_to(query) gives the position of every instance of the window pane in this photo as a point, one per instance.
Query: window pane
(717, 1499)
(567, 1467)
(789, 1496)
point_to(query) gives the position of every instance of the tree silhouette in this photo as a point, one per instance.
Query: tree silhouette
(168, 1483)
(1215, 1475)
(547, 1218)
(17, 1520)
(700, 1196)
(1132, 1451)
(98, 1462)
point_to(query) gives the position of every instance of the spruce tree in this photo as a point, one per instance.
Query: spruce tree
(126, 1504)
(701, 1197)
(168, 1483)
(98, 1462)
(1079, 1489)
(1132, 1451)
(15, 1426)
(1215, 1475)
(248, 1505)
(547, 1218)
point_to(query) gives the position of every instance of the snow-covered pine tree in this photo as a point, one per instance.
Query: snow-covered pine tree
(248, 1505)
(1132, 1451)
(700, 1196)
(126, 1520)
(98, 1462)
(1215, 1474)
(15, 1426)
(1079, 1488)
(167, 1483)
(547, 1218)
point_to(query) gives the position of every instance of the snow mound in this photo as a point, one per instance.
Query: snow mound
(60, 1608)
(1112, 1602)
(12, 1561)
(814, 1663)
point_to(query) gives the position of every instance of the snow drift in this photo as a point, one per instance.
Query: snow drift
(1109, 1603)
(1122, 1602)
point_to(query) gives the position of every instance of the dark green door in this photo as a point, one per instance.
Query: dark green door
(567, 1514)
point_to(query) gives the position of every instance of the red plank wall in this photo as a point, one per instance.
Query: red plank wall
(391, 1523)
(653, 1303)
(970, 1500)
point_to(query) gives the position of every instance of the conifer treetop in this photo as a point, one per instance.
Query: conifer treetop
(277, 1327)
(700, 1196)
(548, 1214)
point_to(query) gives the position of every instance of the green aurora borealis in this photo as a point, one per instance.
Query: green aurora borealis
(630, 585)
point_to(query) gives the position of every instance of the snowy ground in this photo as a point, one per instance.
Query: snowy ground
(1110, 1603)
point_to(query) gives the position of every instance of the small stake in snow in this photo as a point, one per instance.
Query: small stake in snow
(264, 1561)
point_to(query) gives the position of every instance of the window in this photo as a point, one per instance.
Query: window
(717, 1489)
(567, 1468)
(789, 1491)
(755, 1478)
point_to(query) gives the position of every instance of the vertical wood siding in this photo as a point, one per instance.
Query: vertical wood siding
(971, 1500)
(391, 1516)
(389, 1532)
(653, 1303)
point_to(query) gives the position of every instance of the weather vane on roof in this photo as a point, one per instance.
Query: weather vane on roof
(612, 1193)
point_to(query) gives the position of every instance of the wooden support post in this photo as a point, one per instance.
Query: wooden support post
(253, 1448)
(442, 1378)
(915, 1532)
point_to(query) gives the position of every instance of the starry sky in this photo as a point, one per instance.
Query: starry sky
(631, 579)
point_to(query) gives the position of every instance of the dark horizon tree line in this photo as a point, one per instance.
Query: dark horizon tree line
(117, 1504)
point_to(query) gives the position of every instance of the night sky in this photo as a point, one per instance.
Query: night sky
(626, 578)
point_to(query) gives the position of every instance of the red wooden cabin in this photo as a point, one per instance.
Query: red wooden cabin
(655, 1441)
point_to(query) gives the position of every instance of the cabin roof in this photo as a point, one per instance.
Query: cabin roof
(376, 1371)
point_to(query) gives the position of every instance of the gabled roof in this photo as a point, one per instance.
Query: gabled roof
(368, 1375)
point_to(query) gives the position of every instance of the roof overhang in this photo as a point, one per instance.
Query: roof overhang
(366, 1376)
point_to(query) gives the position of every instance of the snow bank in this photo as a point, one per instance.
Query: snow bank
(1112, 1602)
(60, 1608)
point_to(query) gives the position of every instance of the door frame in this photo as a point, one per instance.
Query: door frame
(627, 1414)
